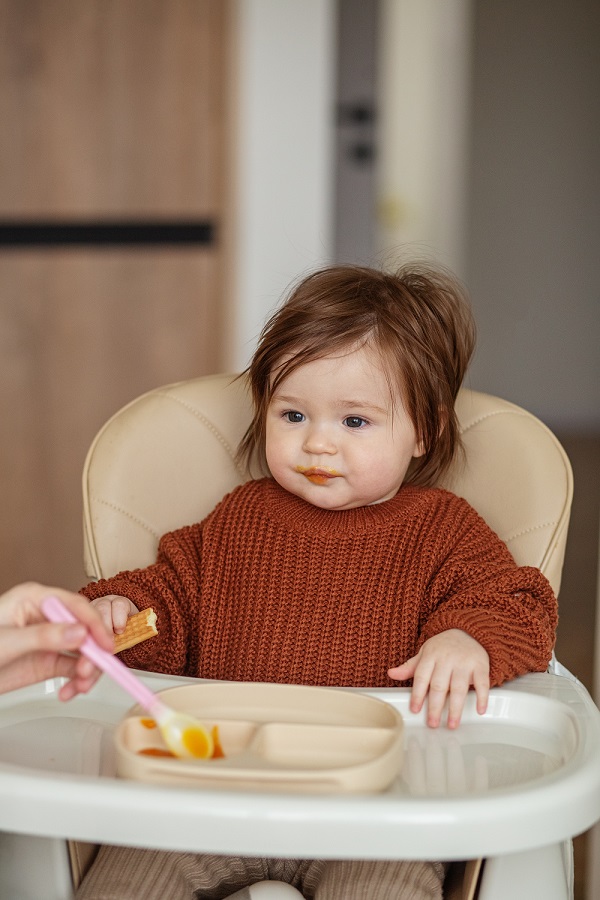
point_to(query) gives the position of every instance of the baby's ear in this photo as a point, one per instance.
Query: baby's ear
(420, 446)
(419, 450)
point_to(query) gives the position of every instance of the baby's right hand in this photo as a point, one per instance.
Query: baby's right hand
(114, 611)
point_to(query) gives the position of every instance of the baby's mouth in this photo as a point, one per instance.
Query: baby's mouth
(318, 475)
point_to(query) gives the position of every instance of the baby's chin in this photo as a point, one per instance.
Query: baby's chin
(326, 496)
(323, 498)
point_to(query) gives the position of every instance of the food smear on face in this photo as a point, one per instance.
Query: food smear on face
(318, 475)
(197, 742)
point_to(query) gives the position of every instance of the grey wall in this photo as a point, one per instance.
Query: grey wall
(534, 236)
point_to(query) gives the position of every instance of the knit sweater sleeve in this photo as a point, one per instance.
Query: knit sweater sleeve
(511, 610)
(171, 587)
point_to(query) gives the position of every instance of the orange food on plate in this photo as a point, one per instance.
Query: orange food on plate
(218, 749)
(155, 751)
(217, 753)
(196, 742)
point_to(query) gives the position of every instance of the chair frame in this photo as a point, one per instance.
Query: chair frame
(171, 436)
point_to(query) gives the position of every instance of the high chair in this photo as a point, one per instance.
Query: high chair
(514, 786)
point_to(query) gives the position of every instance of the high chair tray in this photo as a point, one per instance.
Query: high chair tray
(524, 775)
(273, 737)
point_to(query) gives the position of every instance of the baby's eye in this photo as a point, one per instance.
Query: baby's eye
(293, 416)
(354, 421)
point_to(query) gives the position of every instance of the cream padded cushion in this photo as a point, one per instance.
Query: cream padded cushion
(518, 477)
(168, 457)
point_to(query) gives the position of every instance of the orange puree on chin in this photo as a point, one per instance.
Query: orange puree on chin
(318, 479)
(318, 476)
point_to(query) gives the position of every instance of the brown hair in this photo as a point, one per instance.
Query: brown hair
(419, 321)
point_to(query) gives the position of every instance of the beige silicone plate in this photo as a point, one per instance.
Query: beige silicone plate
(274, 736)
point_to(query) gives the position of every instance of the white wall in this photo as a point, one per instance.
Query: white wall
(424, 93)
(534, 244)
(284, 85)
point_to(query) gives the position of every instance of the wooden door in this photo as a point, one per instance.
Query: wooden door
(112, 117)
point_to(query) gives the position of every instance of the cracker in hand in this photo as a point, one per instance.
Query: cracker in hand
(139, 628)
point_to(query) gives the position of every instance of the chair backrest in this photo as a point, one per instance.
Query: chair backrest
(168, 457)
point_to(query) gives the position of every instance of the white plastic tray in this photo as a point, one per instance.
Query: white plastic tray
(525, 775)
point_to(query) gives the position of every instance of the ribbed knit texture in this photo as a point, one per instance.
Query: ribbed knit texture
(270, 588)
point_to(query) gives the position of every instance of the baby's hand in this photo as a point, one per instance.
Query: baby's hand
(114, 611)
(447, 664)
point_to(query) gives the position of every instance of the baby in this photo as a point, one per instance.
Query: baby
(344, 566)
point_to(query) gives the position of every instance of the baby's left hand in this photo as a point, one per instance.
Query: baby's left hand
(447, 664)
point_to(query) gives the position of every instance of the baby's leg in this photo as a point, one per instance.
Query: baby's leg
(128, 873)
(380, 880)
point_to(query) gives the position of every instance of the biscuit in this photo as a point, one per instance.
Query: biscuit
(139, 628)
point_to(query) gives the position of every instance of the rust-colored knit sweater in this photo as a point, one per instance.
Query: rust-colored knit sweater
(270, 588)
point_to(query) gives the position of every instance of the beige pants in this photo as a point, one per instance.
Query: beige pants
(122, 873)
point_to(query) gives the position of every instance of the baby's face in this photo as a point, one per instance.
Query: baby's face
(335, 436)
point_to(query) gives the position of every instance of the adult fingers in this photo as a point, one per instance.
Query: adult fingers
(21, 607)
(17, 642)
(77, 684)
(90, 617)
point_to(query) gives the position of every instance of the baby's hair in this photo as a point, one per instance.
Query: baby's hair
(419, 321)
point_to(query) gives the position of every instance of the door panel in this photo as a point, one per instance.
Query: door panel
(111, 106)
(110, 109)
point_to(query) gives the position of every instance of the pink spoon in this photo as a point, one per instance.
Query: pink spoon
(183, 734)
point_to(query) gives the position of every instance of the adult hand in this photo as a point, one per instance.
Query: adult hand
(446, 666)
(33, 649)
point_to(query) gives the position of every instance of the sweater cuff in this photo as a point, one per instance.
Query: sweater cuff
(511, 652)
(142, 655)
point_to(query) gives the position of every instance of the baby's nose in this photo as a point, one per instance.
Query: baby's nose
(318, 439)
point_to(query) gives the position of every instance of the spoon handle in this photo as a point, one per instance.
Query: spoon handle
(56, 611)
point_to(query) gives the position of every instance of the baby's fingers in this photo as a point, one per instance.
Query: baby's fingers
(439, 687)
(114, 611)
(461, 681)
(459, 688)
(120, 614)
(422, 685)
(405, 671)
(481, 683)
(103, 608)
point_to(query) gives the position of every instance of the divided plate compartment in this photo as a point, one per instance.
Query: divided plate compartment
(274, 737)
